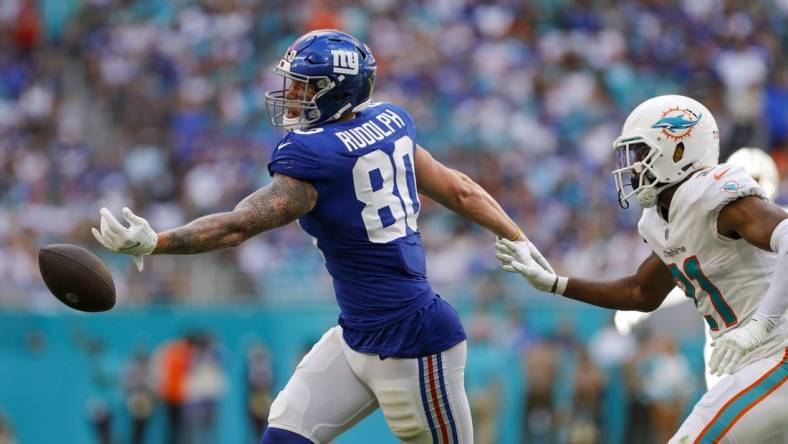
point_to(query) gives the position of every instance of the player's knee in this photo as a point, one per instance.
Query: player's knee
(291, 403)
(278, 407)
(401, 414)
(280, 436)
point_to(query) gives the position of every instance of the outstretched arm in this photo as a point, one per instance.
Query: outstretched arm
(643, 291)
(279, 203)
(457, 192)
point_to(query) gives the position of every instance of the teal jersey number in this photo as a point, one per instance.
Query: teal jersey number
(683, 282)
(693, 272)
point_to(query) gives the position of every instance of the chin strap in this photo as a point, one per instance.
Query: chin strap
(623, 203)
(362, 106)
(339, 113)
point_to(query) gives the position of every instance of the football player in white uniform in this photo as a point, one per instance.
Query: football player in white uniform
(758, 164)
(714, 234)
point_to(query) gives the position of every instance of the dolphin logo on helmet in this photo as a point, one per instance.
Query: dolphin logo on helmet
(677, 123)
(655, 150)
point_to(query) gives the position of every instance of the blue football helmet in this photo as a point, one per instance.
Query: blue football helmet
(326, 74)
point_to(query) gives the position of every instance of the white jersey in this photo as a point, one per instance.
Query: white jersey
(726, 278)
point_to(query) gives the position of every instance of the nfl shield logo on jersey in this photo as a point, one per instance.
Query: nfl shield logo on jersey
(731, 187)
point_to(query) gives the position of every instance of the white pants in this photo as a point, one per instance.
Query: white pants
(335, 387)
(749, 406)
(711, 380)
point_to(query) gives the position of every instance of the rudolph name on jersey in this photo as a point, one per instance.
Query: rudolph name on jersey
(370, 132)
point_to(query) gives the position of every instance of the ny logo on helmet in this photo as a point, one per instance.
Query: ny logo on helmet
(345, 62)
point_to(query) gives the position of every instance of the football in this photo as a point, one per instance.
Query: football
(77, 277)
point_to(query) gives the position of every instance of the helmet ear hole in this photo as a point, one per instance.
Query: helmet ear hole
(678, 153)
(341, 97)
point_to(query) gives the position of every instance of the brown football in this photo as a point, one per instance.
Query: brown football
(77, 277)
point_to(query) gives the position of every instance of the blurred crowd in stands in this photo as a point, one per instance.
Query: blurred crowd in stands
(158, 105)
(611, 391)
(183, 381)
(525, 383)
(6, 432)
(567, 383)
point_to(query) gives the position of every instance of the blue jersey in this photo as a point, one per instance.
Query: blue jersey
(365, 225)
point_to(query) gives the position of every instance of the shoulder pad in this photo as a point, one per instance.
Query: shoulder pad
(295, 156)
(723, 184)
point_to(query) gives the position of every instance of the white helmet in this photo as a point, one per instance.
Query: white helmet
(662, 142)
(758, 164)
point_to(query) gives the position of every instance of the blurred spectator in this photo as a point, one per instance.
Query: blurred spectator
(584, 422)
(100, 417)
(541, 367)
(173, 363)
(102, 381)
(140, 392)
(259, 389)
(662, 382)
(609, 348)
(517, 337)
(6, 432)
(483, 375)
(205, 387)
(611, 351)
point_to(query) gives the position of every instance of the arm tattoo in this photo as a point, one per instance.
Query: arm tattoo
(282, 202)
(279, 203)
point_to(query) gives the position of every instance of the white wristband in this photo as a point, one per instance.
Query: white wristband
(560, 285)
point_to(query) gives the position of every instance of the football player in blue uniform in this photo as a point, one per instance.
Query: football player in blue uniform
(350, 171)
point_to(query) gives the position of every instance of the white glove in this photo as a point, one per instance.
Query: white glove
(524, 258)
(731, 347)
(137, 240)
(520, 249)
